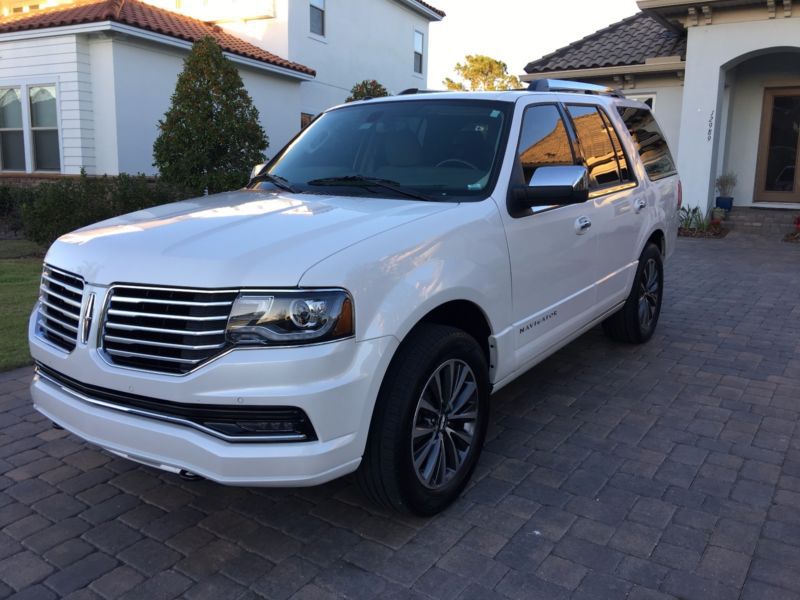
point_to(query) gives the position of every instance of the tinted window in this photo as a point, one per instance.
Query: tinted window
(598, 151)
(543, 140)
(439, 148)
(649, 141)
(622, 161)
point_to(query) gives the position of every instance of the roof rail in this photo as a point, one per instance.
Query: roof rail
(411, 91)
(561, 85)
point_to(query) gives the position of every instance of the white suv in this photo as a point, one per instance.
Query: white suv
(353, 308)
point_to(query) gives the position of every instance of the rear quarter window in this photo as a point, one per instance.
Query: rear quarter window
(650, 142)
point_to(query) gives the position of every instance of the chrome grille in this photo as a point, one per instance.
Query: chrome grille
(168, 330)
(60, 296)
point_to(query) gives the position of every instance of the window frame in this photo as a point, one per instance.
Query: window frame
(312, 6)
(35, 128)
(21, 129)
(610, 188)
(517, 170)
(421, 53)
(24, 86)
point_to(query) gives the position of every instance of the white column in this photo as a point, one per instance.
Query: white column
(701, 120)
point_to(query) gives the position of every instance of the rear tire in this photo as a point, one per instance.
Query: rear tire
(636, 321)
(429, 422)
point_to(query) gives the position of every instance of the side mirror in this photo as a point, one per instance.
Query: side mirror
(257, 169)
(554, 186)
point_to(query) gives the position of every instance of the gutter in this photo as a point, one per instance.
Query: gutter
(432, 15)
(659, 66)
(159, 38)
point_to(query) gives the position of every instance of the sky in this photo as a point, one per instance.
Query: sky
(514, 31)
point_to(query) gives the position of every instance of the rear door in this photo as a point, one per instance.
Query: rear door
(657, 172)
(551, 253)
(613, 194)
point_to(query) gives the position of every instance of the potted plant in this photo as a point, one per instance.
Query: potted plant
(725, 185)
(718, 214)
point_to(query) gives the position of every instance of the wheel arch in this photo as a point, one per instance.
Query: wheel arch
(658, 238)
(466, 316)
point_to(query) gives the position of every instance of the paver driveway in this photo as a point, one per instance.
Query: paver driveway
(612, 471)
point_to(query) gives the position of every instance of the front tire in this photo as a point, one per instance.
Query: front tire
(636, 321)
(429, 422)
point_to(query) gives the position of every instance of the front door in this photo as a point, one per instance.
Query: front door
(552, 249)
(777, 175)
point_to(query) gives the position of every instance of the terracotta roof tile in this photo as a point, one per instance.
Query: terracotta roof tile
(144, 16)
(628, 42)
(441, 13)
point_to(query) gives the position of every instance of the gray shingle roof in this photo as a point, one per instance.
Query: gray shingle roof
(628, 42)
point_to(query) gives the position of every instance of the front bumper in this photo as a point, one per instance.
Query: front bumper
(334, 384)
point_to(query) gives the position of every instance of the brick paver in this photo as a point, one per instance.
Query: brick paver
(611, 471)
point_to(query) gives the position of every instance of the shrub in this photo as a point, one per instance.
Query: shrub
(369, 88)
(54, 208)
(210, 138)
(11, 201)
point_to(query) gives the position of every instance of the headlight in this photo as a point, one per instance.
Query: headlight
(290, 318)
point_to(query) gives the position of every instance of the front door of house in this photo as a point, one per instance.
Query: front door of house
(778, 175)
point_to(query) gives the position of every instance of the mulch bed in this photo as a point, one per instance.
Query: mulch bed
(792, 238)
(714, 232)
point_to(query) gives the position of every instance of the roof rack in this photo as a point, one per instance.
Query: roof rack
(561, 85)
(411, 91)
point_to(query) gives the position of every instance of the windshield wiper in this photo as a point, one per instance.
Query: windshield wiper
(277, 181)
(360, 180)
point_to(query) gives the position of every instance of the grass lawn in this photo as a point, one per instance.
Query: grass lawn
(19, 287)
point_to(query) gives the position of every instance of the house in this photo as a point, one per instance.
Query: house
(723, 78)
(83, 84)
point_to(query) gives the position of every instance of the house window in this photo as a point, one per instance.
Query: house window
(12, 140)
(29, 137)
(305, 120)
(44, 128)
(317, 8)
(419, 51)
(648, 99)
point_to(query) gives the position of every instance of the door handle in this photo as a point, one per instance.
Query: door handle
(582, 224)
(640, 204)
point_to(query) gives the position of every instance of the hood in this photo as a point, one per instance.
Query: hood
(239, 239)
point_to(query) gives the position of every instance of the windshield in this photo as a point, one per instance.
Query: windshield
(429, 149)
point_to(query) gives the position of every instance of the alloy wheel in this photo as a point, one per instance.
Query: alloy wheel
(445, 423)
(649, 293)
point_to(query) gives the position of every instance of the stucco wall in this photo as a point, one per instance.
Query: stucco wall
(145, 77)
(711, 50)
(746, 84)
(365, 39)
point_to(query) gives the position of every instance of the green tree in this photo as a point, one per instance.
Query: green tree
(369, 88)
(482, 73)
(210, 137)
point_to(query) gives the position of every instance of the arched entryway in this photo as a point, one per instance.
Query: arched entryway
(760, 136)
(731, 69)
